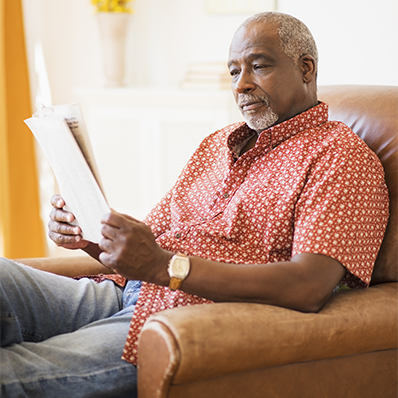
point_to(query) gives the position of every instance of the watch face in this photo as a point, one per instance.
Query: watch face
(180, 267)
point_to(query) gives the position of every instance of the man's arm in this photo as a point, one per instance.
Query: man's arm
(304, 283)
(129, 248)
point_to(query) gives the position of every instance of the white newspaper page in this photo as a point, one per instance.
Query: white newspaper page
(78, 186)
(74, 117)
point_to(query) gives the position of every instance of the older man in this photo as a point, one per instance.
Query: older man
(278, 210)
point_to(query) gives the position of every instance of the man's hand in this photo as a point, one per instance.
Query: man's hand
(128, 246)
(60, 230)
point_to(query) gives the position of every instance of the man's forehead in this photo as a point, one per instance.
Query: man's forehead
(257, 37)
(255, 29)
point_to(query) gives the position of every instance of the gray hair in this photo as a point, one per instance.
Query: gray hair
(295, 38)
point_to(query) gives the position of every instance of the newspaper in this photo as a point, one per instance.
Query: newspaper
(61, 133)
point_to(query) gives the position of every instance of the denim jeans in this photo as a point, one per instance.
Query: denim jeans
(62, 337)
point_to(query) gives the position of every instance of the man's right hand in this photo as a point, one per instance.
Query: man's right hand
(60, 229)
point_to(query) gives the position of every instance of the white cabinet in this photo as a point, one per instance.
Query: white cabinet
(142, 138)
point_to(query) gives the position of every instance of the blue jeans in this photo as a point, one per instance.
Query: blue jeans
(63, 338)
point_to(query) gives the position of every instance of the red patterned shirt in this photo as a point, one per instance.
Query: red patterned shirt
(309, 185)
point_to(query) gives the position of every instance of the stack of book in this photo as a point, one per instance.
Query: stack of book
(207, 76)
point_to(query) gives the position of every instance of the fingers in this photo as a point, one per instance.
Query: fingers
(57, 213)
(129, 217)
(117, 220)
(62, 239)
(110, 235)
(66, 240)
(63, 228)
(107, 260)
(117, 230)
(113, 219)
(110, 251)
(117, 227)
(60, 229)
(61, 215)
(61, 232)
(57, 201)
(59, 223)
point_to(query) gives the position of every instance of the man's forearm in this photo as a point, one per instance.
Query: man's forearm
(305, 283)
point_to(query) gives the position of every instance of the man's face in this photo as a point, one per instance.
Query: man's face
(267, 86)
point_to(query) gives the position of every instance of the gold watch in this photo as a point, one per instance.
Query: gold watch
(178, 270)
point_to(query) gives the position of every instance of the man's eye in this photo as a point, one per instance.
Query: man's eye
(233, 72)
(259, 66)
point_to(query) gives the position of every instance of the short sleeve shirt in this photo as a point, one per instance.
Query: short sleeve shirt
(309, 185)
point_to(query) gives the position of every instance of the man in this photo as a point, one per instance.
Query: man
(277, 210)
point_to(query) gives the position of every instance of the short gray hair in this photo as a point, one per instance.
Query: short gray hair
(295, 38)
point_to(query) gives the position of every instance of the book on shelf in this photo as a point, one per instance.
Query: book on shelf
(210, 76)
(63, 137)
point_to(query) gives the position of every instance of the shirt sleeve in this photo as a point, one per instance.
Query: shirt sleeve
(343, 210)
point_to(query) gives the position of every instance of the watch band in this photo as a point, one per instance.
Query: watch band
(175, 283)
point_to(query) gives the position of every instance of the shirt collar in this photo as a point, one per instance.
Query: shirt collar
(275, 135)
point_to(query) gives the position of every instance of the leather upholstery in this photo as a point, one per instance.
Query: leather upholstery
(294, 336)
(347, 377)
(206, 345)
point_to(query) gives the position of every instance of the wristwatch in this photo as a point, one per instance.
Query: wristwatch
(178, 270)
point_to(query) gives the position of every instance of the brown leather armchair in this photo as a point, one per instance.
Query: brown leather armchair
(348, 349)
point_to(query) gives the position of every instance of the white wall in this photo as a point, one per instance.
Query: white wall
(357, 40)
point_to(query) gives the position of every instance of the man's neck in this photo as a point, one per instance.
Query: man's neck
(249, 144)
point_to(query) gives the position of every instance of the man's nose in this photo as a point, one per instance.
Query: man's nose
(244, 83)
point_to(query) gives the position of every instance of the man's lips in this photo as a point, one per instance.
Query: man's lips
(251, 106)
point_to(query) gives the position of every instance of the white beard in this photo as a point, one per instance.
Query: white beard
(262, 122)
(258, 122)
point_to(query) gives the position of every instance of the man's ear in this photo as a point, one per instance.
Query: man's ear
(308, 67)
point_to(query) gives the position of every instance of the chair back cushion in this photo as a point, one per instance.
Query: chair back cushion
(372, 113)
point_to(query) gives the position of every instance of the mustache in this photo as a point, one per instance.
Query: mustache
(244, 99)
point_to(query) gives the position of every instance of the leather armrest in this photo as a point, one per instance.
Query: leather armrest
(198, 342)
(67, 266)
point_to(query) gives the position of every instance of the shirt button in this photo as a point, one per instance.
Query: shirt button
(226, 195)
(178, 235)
(202, 218)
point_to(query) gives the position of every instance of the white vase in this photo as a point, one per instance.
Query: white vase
(113, 31)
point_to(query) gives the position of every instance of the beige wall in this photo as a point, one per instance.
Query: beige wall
(357, 40)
